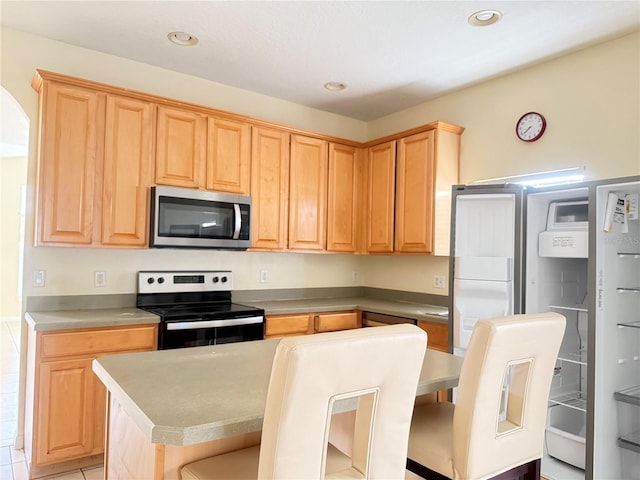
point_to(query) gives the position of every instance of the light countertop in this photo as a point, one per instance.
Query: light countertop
(89, 318)
(110, 317)
(416, 311)
(194, 395)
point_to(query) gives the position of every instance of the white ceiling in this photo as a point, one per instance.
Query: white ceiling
(391, 54)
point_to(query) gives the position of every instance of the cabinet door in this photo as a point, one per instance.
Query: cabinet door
(437, 335)
(128, 163)
(228, 156)
(342, 201)
(382, 167)
(180, 148)
(415, 193)
(330, 322)
(285, 325)
(72, 119)
(308, 193)
(269, 188)
(65, 427)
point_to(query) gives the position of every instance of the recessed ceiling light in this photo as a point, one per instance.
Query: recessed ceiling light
(335, 86)
(182, 38)
(484, 18)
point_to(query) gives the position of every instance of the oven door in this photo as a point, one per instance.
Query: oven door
(199, 331)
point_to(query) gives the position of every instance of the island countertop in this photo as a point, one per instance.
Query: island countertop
(194, 395)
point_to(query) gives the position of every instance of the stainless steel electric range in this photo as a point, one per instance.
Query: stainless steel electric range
(195, 308)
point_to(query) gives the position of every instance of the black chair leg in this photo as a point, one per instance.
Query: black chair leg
(527, 471)
(424, 472)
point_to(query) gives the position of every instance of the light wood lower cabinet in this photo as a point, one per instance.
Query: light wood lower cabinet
(437, 334)
(309, 323)
(65, 414)
(437, 339)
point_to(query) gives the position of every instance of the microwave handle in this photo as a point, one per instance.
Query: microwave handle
(236, 231)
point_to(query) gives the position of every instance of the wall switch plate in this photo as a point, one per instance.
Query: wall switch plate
(355, 276)
(39, 278)
(100, 279)
(439, 281)
(264, 276)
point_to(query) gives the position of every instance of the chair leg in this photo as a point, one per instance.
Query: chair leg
(424, 472)
(526, 471)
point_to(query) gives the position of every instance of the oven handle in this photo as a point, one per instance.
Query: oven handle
(231, 322)
(236, 210)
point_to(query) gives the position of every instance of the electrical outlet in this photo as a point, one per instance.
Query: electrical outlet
(264, 276)
(100, 279)
(438, 281)
(39, 278)
(355, 277)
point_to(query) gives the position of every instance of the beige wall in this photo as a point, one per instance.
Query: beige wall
(591, 100)
(599, 82)
(13, 175)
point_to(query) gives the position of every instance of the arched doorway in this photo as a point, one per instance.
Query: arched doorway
(14, 140)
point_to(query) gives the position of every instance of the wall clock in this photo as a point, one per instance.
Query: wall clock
(530, 126)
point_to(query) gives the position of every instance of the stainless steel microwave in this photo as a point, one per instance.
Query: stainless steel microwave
(181, 217)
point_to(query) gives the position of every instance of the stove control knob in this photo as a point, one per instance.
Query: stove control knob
(224, 279)
(216, 279)
(150, 280)
(160, 279)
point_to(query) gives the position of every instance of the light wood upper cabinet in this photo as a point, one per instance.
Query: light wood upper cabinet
(428, 166)
(343, 204)
(415, 177)
(308, 193)
(228, 156)
(196, 151)
(128, 171)
(381, 189)
(70, 133)
(180, 148)
(95, 167)
(269, 188)
(101, 147)
(409, 189)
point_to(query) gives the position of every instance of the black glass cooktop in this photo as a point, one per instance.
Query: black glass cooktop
(211, 310)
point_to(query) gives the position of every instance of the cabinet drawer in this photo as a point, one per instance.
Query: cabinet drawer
(88, 342)
(437, 333)
(282, 325)
(329, 322)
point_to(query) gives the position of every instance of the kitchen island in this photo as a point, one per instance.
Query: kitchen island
(171, 407)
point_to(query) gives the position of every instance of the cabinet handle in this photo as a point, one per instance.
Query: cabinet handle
(316, 323)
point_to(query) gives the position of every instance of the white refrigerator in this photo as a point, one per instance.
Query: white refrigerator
(527, 250)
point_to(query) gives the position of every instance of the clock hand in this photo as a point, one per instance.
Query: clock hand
(528, 128)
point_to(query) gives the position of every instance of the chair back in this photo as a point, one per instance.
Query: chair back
(377, 368)
(488, 438)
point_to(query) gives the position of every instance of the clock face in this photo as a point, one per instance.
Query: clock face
(530, 127)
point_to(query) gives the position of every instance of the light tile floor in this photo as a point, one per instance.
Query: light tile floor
(12, 462)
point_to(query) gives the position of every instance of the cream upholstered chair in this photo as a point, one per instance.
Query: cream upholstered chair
(481, 437)
(379, 367)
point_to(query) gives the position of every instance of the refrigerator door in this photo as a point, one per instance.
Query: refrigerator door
(485, 252)
(616, 331)
(483, 289)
